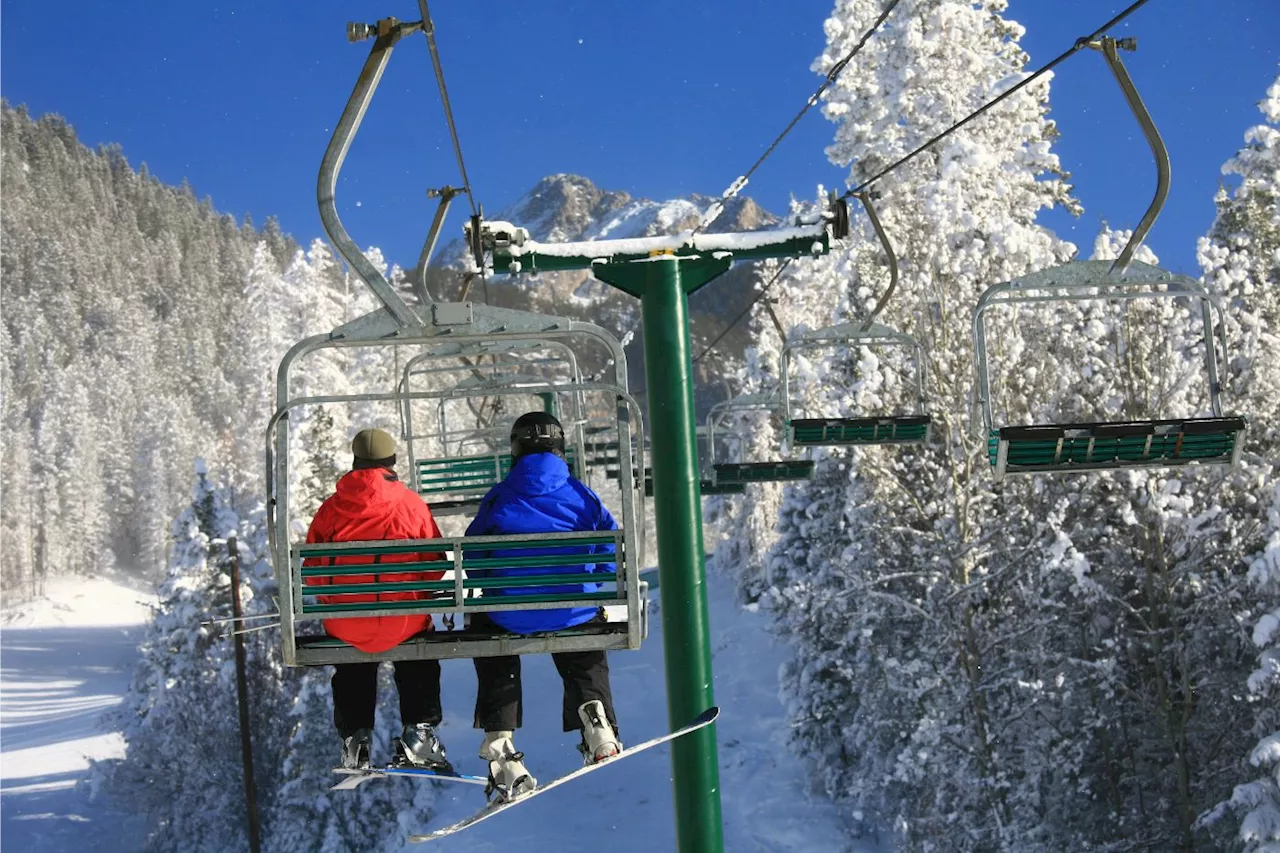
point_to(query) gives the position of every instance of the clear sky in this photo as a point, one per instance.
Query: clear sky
(658, 98)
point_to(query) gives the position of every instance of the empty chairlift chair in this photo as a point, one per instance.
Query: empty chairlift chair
(1216, 440)
(1069, 447)
(905, 428)
(732, 477)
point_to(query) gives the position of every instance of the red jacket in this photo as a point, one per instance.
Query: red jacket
(372, 504)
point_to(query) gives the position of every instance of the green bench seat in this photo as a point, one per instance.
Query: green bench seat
(730, 473)
(1129, 444)
(552, 579)
(899, 429)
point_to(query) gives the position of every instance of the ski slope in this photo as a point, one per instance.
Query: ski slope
(67, 660)
(627, 808)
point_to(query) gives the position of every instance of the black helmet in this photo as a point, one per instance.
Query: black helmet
(536, 432)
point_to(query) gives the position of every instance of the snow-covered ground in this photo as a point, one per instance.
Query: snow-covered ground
(68, 659)
(65, 661)
(627, 808)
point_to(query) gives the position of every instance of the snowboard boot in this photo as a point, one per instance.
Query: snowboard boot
(508, 777)
(355, 750)
(418, 746)
(599, 741)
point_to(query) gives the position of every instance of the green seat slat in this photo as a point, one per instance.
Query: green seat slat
(375, 569)
(426, 603)
(551, 540)
(512, 582)
(374, 586)
(899, 429)
(535, 562)
(389, 546)
(546, 597)
(540, 580)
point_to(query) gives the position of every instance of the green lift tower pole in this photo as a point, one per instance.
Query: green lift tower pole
(662, 272)
(663, 285)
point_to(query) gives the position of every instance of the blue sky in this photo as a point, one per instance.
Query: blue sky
(657, 98)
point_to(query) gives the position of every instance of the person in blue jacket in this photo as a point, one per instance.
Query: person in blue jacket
(539, 495)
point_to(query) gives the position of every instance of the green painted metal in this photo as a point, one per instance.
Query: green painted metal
(663, 283)
(1102, 445)
(902, 429)
(476, 473)
(796, 247)
(733, 473)
(552, 598)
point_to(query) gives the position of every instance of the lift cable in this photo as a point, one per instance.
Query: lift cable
(1079, 45)
(736, 187)
(744, 311)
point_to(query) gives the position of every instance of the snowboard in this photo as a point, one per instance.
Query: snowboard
(357, 777)
(706, 718)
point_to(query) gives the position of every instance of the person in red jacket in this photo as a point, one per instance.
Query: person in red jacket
(372, 504)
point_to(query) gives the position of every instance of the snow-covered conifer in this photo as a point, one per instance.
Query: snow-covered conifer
(1241, 262)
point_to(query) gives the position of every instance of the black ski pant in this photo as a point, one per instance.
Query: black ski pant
(500, 698)
(355, 694)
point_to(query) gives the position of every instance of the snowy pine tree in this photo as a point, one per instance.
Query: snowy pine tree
(183, 768)
(1241, 262)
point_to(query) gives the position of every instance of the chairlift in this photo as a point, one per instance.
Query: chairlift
(462, 480)
(907, 428)
(1157, 443)
(744, 473)
(445, 329)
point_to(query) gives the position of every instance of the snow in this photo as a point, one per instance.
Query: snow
(736, 241)
(65, 661)
(764, 793)
(68, 658)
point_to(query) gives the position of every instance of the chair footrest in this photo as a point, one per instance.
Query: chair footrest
(897, 429)
(1124, 444)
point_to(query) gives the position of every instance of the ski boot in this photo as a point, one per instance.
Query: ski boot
(418, 746)
(599, 741)
(508, 777)
(355, 750)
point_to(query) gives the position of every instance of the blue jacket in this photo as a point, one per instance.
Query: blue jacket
(539, 496)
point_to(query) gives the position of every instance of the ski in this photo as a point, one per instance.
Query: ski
(706, 718)
(355, 778)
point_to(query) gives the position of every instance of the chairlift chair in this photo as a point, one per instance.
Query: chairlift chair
(909, 428)
(464, 591)
(1066, 448)
(464, 479)
(1072, 447)
(743, 473)
(468, 586)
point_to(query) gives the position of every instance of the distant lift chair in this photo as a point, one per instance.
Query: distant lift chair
(905, 428)
(740, 474)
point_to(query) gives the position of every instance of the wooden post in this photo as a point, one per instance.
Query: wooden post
(242, 698)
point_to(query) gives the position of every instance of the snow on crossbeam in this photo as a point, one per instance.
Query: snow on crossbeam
(515, 251)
